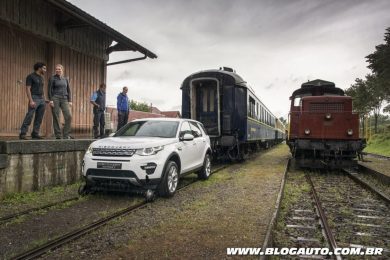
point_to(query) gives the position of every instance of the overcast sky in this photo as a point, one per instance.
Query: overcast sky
(275, 45)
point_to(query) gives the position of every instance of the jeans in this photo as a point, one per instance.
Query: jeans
(39, 111)
(98, 118)
(61, 103)
(123, 117)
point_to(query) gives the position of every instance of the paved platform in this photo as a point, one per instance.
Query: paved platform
(30, 165)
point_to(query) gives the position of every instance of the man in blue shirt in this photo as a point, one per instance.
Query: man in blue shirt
(122, 105)
(98, 100)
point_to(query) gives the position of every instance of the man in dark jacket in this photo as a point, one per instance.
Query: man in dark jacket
(98, 100)
(122, 105)
(36, 101)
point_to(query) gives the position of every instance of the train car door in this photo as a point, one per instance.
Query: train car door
(207, 109)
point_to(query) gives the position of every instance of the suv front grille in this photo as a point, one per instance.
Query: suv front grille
(112, 152)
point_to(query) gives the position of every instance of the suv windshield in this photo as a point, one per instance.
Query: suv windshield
(165, 129)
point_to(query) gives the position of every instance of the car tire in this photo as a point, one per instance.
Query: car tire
(170, 180)
(205, 172)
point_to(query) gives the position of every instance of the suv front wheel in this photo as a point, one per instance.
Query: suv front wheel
(205, 172)
(170, 180)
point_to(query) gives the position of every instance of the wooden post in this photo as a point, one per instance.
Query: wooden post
(48, 119)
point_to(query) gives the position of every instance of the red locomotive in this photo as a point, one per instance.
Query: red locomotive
(324, 132)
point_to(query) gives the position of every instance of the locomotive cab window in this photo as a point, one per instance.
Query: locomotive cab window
(298, 99)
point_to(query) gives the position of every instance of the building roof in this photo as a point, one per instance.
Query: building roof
(123, 43)
(172, 114)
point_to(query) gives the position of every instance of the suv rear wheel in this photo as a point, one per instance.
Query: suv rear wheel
(205, 172)
(170, 180)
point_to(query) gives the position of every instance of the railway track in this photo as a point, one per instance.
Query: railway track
(75, 234)
(358, 215)
(376, 156)
(333, 210)
(10, 217)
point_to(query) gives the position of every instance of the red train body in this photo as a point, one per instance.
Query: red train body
(324, 132)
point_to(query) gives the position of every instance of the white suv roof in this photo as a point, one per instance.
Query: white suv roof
(163, 119)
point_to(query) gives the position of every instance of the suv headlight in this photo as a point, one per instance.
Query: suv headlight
(149, 151)
(89, 150)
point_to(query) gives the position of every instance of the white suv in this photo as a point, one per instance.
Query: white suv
(148, 154)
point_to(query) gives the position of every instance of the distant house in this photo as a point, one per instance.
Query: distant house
(139, 115)
(54, 31)
(155, 110)
(173, 114)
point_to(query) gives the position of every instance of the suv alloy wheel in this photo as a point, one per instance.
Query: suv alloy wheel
(170, 180)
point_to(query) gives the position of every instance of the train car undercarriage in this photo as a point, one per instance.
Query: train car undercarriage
(329, 154)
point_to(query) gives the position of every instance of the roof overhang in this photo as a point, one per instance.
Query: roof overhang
(122, 42)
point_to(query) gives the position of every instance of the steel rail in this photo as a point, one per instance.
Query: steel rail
(324, 220)
(376, 155)
(73, 235)
(354, 176)
(27, 211)
(380, 176)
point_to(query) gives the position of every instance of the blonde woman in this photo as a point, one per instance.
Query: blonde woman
(60, 100)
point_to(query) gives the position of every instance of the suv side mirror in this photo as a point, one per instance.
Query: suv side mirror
(187, 137)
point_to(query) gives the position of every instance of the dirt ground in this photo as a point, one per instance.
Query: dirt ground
(231, 209)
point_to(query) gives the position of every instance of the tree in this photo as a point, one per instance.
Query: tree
(379, 63)
(377, 93)
(139, 106)
(361, 99)
(284, 121)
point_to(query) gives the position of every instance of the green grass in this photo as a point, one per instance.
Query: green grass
(379, 144)
(45, 194)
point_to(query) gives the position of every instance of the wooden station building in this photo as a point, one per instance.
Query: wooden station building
(54, 31)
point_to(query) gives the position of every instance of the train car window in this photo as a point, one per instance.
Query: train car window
(262, 114)
(211, 100)
(196, 132)
(251, 107)
(204, 101)
(257, 111)
(185, 129)
(204, 129)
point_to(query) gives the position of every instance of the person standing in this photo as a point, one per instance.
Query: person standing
(122, 105)
(60, 99)
(36, 101)
(98, 100)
